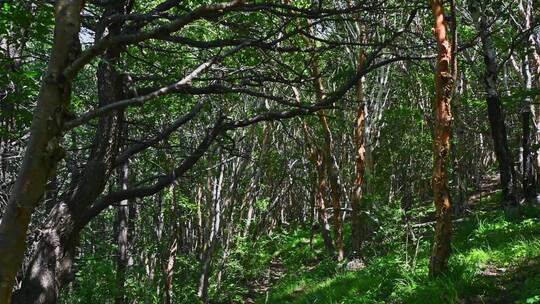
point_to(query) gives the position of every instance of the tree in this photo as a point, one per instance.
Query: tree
(44, 150)
(441, 148)
(495, 110)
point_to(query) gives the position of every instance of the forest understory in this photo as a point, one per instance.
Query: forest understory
(269, 151)
(496, 260)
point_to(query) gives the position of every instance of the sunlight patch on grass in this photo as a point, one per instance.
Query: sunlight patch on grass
(488, 251)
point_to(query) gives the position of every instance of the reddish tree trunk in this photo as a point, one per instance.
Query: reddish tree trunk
(356, 201)
(443, 124)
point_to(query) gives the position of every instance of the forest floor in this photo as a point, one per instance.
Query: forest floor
(496, 259)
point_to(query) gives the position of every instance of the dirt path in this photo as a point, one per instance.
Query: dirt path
(260, 287)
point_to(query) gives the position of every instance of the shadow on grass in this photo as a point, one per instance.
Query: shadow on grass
(496, 260)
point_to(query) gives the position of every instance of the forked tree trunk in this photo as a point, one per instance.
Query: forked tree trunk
(43, 151)
(330, 163)
(332, 172)
(50, 267)
(443, 124)
(316, 159)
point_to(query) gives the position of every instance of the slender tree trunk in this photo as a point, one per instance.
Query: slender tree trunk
(122, 239)
(495, 110)
(173, 249)
(254, 188)
(316, 159)
(43, 150)
(528, 178)
(214, 232)
(443, 124)
(359, 132)
(529, 190)
(330, 163)
(322, 189)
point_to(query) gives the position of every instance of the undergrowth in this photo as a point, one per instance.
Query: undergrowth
(496, 259)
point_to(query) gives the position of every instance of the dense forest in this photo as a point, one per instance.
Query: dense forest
(291, 151)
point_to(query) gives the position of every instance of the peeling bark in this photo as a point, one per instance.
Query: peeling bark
(443, 125)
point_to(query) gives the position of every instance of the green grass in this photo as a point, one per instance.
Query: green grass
(496, 259)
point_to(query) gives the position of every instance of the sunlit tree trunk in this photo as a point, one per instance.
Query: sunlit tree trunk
(213, 236)
(43, 151)
(322, 189)
(443, 124)
(176, 240)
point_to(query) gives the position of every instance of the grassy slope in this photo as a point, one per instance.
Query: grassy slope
(495, 260)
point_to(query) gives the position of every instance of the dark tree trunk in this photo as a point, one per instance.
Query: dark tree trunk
(495, 110)
(50, 267)
(528, 178)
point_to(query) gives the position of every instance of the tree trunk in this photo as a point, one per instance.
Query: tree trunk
(213, 236)
(443, 124)
(122, 238)
(173, 249)
(528, 179)
(495, 110)
(359, 132)
(330, 163)
(332, 172)
(316, 159)
(322, 189)
(529, 189)
(50, 267)
(43, 151)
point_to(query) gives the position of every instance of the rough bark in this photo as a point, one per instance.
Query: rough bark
(50, 267)
(443, 124)
(43, 151)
